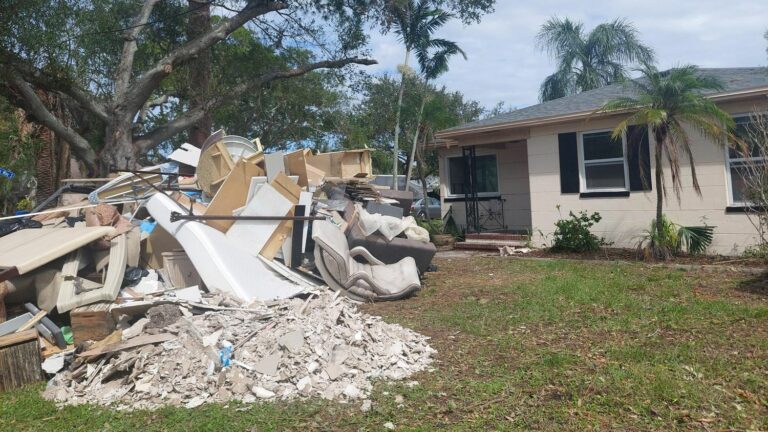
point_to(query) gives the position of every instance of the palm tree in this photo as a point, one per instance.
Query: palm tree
(414, 23)
(588, 61)
(432, 65)
(668, 102)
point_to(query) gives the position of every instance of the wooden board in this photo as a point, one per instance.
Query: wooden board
(343, 164)
(233, 193)
(19, 360)
(131, 343)
(296, 164)
(92, 322)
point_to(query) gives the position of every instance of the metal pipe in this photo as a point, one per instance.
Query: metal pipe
(176, 216)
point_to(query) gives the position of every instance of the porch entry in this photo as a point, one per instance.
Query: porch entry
(480, 174)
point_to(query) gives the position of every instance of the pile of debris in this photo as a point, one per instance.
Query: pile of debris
(321, 346)
(206, 279)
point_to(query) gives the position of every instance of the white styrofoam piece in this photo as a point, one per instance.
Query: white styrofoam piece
(251, 234)
(275, 164)
(186, 154)
(223, 264)
(256, 182)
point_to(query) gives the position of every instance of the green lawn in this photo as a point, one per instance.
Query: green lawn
(528, 345)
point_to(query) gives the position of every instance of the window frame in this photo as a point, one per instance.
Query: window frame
(729, 161)
(583, 163)
(449, 192)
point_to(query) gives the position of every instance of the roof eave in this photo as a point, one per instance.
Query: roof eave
(542, 121)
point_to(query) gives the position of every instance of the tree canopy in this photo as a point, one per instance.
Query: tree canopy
(122, 66)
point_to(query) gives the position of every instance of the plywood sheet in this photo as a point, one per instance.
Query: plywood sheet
(31, 248)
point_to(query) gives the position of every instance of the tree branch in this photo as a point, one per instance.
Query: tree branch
(145, 85)
(189, 118)
(49, 82)
(35, 106)
(125, 68)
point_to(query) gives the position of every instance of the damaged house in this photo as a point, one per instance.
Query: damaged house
(534, 165)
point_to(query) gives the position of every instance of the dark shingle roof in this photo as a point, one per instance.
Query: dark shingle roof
(733, 79)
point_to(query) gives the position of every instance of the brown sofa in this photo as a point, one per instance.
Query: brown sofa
(389, 252)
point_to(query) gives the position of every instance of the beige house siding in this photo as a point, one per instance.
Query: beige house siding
(529, 182)
(513, 179)
(624, 219)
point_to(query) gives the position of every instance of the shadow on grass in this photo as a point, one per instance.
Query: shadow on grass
(756, 285)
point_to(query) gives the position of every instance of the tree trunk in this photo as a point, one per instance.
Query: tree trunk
(415, 138)
(658, 249)
(200, 71)
(420, 169)
(118, 151)
(396, 149)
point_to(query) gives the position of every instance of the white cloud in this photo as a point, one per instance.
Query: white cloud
(505, 65)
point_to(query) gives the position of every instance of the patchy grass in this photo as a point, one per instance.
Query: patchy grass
(527, 345)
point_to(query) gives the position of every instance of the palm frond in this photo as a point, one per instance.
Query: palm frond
(695, 239)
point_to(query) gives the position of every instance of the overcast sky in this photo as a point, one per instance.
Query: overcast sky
(505, 65)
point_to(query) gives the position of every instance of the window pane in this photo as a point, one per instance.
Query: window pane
(456, 170)
(486, 174)
(600, 145)
(738, 184)
(744, 131)
(605, 176)
(434, 201)
(487, 178)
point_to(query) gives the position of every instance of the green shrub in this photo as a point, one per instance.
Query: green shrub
(574, 235)
(759, 251)
(674, 239)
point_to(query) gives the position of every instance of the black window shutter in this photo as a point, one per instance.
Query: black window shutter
(639, 158)
(569, 163)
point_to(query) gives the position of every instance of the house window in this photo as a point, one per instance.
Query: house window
(486, 176)
(603, 162)
(742, 160)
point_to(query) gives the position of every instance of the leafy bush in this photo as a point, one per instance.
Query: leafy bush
(674, 239)
(759, 251)
(574, 235)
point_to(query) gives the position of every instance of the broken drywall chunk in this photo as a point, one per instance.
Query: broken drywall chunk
(136, 329)
(292, 341)
(268, 364)
(262, 393)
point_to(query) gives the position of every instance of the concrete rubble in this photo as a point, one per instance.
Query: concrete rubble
(323, 347)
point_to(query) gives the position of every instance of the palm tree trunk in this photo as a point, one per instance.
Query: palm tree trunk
(420, 168)
(396, 149)
(657, 249)
(415, 140)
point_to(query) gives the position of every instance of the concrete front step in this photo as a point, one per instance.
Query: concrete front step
(494, 245)
(497, 236)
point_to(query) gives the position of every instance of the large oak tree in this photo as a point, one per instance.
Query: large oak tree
(112, 61)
